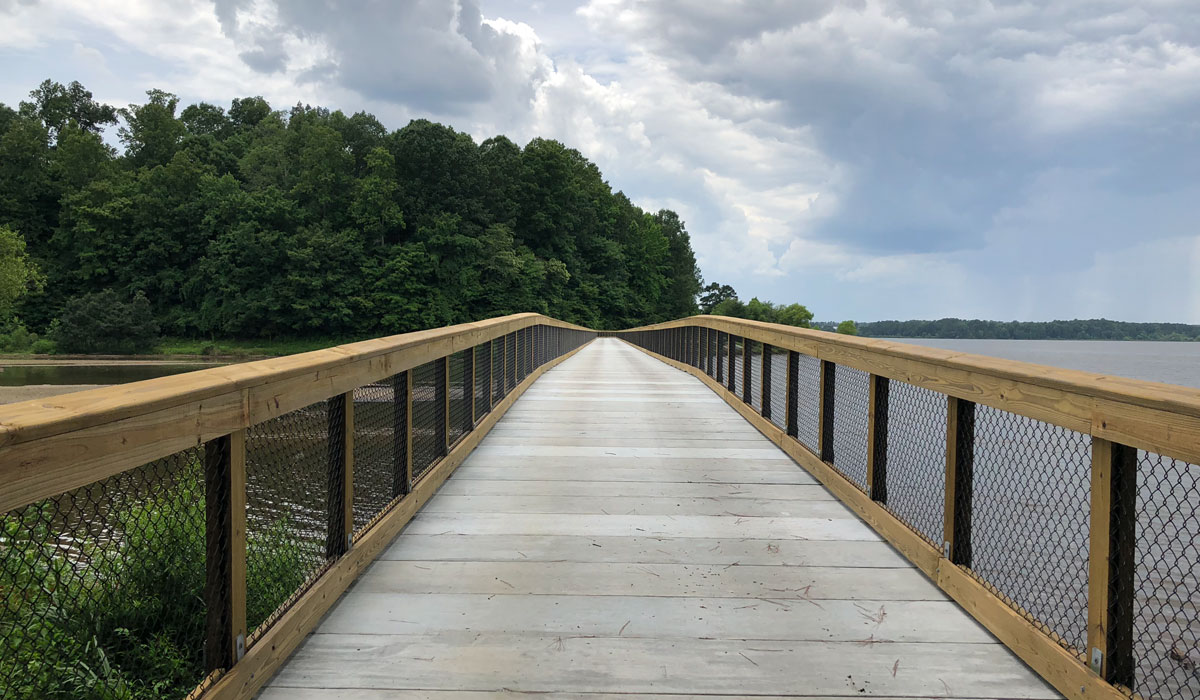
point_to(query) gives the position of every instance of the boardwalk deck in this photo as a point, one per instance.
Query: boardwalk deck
(622, 531)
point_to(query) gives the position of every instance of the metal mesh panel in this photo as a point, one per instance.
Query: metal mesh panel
(287, 499)
(737, 384)
(483, 380)
(851, 396)
(1166, 608)
(808, 401)
(756, 374)
(916, 458)
(522, 353)
(103, 586)
(497, 353)
(1030, 518)
(374, 449)
(428, 418)
(722, 354)
(711, 349)
(510, 359)
(460, 410)
(778, 360)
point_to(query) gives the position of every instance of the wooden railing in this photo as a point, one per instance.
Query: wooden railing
(1060, 508)
(432, 396)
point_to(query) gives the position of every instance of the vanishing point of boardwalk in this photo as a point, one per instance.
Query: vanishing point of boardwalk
(623, 531)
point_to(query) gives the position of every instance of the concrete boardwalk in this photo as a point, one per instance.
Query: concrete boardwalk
(622, 531)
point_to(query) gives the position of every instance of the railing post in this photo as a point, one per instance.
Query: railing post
(1111, 563)
(719, 356)
(225, 558)
(443, 393)
(793, 394)
(825, 434)
(731, 377)
(469, 386)
(340, 514)
(766, 381)
(704, 359)
(747, 369)
(877, 434)
(960, 471)
(402, 433)
(491, 382)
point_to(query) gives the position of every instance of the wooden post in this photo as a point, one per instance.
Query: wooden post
(877, 435)
(960, 469)
(402, 433)
(825, 434)
(719, 357)
(445, 396)
(1111, 563)
(340, 513)
(469, 386)
(747, 369)
(766, 382)
(225, 541)
(793, 393)
(730, 360)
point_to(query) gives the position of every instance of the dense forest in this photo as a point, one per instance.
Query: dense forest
(1090, 329)
(256, 222)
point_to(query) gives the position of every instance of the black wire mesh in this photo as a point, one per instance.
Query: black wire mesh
(103, 587)
(737, 385)
(1166, 606)
(721, 373)
(808, 401)
(779, 378)
(460, 410)
(510, 362)
(916, 458)
(374, 450)
(287, 505)
(429, 416)
(851, 398)
(1030, 519)
(483, 380)
(497, 353)
(520, 352)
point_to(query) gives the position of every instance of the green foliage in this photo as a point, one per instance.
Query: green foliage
(757, 310)
(18, 273)
(847, 328)
(102, 323)
(17, 339)
(128, 625)
(1082, 329)
(714, 294)
(262, 224)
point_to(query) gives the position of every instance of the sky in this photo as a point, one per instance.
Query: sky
(871, 159)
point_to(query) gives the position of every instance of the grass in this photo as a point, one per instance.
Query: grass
(124, 619)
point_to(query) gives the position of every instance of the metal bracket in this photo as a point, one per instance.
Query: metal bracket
(946, 549)
(1097, 660)
(349, 541)
(240, 643)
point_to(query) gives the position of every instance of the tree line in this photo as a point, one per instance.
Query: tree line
(249, 222)
(1081, 329)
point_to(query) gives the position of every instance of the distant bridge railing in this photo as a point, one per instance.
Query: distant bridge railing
(1060, 508)
(184, 534)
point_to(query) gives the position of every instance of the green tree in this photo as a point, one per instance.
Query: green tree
(714, 294)
(56, 107)
(151, 133)
(847, 328)
(18, 273)
(794, 315)
(101, 322)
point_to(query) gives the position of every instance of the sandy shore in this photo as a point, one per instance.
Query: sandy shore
(13, 394)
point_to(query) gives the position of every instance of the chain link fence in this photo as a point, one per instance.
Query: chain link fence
(916, 458)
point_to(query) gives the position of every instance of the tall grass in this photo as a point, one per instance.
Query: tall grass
(123, 618)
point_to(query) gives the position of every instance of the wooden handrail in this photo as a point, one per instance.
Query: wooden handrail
(49, 446)
(1157, 417)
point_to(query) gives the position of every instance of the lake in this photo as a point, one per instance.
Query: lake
(1173, 363)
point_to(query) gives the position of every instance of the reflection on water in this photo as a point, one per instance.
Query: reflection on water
(24, 375)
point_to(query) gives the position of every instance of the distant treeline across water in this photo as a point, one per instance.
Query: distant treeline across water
(1081, 329)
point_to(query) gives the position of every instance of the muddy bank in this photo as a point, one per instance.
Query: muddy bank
(13, 394)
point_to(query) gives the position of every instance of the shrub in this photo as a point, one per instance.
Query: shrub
(17, 339)
(42, 346)
(102, 323)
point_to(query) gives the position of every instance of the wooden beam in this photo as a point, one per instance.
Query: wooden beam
(959, 490)
(826, 410)
(269, 651)
(1111, 561)
(877, 436)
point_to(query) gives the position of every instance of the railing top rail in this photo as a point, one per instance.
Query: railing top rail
(1171, 397)
(1161, 418)
(40, 418)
